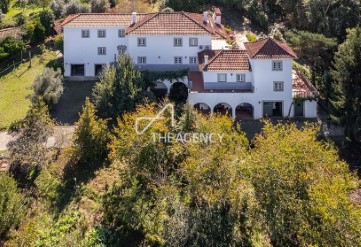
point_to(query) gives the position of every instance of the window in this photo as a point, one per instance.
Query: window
(192, 60)
(102, 51)
(177, 60)
(193, 41)
(278, 86)
(85, 33)
(142, 42)
(121, 33)
(122, 49)
(241, 77)
(142, 60)
(277, 65)
(101, 33)
(177, 41)
(222, 77)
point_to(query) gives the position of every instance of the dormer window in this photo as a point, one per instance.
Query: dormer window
(142, 42)
(277, 65)
(85, 33)
(101, 33)
(177, 42)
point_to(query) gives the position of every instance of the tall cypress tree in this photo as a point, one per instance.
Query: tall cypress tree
(347, 85)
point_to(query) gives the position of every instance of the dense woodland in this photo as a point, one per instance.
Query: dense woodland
(113, 187)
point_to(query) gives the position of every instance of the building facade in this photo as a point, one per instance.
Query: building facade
(254, 82)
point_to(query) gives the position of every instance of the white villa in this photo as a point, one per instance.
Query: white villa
(253, 82)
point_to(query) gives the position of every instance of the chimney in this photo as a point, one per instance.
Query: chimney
(205, 60)
(205, 17)
(134, 18)
(218, 16)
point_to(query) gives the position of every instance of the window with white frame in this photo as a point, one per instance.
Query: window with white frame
(177, 60)
(277, 65)
(102, 51)
(142, 42)
(101, 33)
(192, 60)
(278, 86)
(193, 41)
(85, 33)
(222, 77)
(142, 60)
(241, 77)
(177, 41)
(121, 33)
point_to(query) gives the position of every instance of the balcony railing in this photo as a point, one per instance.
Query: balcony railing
(229, 86)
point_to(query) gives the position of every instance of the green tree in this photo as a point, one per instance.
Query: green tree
(11, 204)
(48, 86)
(347, 85)
(59, 42)
(4, 6)
(303, 189)
(46, 18)
(99, 6)
(37, 33)
(91, 137)
(57, 6)
(119, 89)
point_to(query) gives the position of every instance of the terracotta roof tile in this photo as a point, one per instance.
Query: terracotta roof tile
(181, 23)
(224, 60)
(269, 49)
(301, 86)
(14, 32)
(100, 20)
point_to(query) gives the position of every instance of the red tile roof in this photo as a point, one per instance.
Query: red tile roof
(173, 23)
(14, 32)
(224, 60)
(100, 20)
(301, 86)
(269, 49)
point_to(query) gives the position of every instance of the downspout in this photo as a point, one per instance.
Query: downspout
(289, 111)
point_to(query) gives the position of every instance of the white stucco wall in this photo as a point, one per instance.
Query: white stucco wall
(219, 44)
(310, 109)
(78, 50)
(161, 49)
(212, 76)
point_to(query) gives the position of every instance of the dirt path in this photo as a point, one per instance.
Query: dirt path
(61, 138)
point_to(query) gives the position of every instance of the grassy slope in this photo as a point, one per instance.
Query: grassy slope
(14, 10)
(15, 87)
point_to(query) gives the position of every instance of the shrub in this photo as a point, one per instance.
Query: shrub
(10, 204)
(37, 34)
(59, 42)
(48, 86)
(90, 137)
(75, 6)
(99, 6)
(251, 37)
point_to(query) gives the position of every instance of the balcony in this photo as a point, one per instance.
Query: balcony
(229, 86)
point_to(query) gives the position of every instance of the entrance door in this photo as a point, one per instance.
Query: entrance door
(299, 108)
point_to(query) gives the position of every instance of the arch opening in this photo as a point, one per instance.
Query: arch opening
(224, 109)
(244, 111)
(178, 93)
(202, 108)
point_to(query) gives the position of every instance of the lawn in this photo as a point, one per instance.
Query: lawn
(16, 86)
(14, 11)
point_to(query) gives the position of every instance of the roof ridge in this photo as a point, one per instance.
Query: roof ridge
(196, 22)
(141, 22)
(277, 42)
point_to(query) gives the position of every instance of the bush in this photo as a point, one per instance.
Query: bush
(11, 209)
(37, 33)
(75, 6)
(59, 42)
(251, 37)
(10, 46)
(99, 6)
(48, 86)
